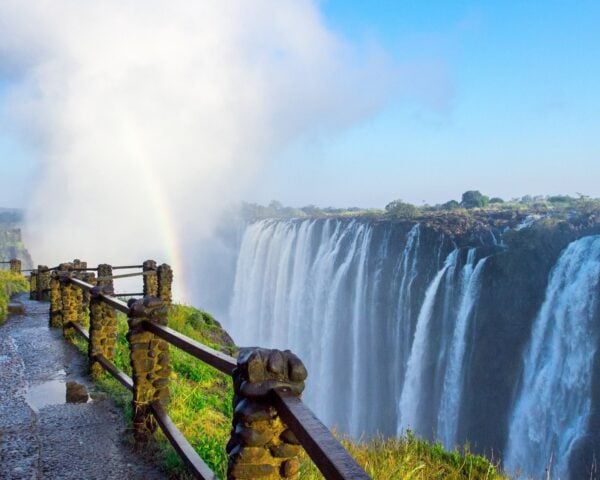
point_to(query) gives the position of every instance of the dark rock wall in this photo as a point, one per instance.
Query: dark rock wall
(512, 293)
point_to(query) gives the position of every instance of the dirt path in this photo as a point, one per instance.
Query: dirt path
(42, 436)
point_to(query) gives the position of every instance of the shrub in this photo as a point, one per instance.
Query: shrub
(451, 205)
(401, 209)
(474, 199)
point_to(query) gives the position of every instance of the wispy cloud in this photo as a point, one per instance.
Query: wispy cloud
(151, 115)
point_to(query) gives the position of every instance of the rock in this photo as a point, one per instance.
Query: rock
(290, 468)
(76, 393)
(285, 450)
(16, 308)
(289, 437)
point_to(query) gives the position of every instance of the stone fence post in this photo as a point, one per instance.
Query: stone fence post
(149, 356)
(103, 329)
(55, 319)
(56, 295)
(43, 283)
(87, 277)
(105, 271)
(69, 303)
(103, 320)
(15, 265)
(150, 278)
(33, 285)
(76, 265)
(79, 265)
(261, 445)
(165, 283)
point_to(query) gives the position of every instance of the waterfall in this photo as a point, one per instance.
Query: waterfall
(339, 293)
(407, 272)
(402, 326)
(380, 323)
(409, 413)
(554, 400)
(450, 402)
(401, 288)
(453, 291)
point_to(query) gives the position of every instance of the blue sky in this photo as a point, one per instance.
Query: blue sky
(521, 113)
(498, 96)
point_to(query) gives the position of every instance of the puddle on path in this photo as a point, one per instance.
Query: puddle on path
(56, 391)
(50, 392)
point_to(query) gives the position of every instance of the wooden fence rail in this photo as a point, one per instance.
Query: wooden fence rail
(270, 422)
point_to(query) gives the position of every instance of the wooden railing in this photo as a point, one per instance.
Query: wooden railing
(270, 423)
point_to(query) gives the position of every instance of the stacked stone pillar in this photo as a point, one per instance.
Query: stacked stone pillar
(105, 273)
(150, 278)
(79, 265)
(87, 277)
(103, 321)
(15, 266)
(165, 283)
(83, 297)
(43, 283)
(105, 280)
(261, 445)
(56, 296)
(33, 285)
(149, 356)
(41, 270)
(69, 299)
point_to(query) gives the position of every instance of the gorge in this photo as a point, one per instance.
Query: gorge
(478, 330)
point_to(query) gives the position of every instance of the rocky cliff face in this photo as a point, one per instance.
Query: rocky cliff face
(421, 323)
(11, 246)
(11, 242)
(513, 289)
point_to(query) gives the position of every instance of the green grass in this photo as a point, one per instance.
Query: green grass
(411, 458)
(201, 397)
(201, 407)
(10, 283)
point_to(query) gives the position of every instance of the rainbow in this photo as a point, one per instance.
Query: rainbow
(168, 231)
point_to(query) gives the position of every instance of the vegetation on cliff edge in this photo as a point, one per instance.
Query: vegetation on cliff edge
(472, 203)
(10, 283)
(201, 407)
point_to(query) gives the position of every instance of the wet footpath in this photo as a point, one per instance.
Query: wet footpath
(42, 436)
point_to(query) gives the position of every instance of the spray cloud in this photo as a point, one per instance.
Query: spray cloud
(147, 117)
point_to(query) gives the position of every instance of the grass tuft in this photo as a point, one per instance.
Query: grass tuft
(411, 458)
(10, 283)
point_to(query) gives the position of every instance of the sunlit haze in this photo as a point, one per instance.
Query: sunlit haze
(151, 117)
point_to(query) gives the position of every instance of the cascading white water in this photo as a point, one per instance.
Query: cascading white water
(350, 299)
(342, 301)
(455, 289)
(406, 271)
(449, 409)
(554, 401)
(393, 335)
(404, 276)
(409, 414)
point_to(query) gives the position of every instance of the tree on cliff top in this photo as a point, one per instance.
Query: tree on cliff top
(401, 209)
(474, 199)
